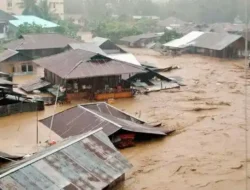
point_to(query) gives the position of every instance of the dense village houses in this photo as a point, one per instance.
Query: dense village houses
(18, 56)
(141, 40)
(122, 128)
(222, 45)
(86, 161)
(85, 74)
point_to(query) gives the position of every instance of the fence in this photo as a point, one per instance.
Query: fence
(20, 108)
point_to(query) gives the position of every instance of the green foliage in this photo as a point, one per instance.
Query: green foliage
(115, 30)
(31, 8)
(169, 35)
(29, 29)
(67, 28)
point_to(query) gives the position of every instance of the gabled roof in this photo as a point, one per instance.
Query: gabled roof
(6, 54)
(92, 47)
(78, 63)
(29, 19)
(84, 118)
(126, 57)
(40, 41)
(88, 161)
(215, 41)
(184, 41)
(99, 40)
(133, 39)
(6, 16)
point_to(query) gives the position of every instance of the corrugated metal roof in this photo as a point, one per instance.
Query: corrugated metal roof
(99, 40)
(29, 19)
(88, 47)
(184, 41)
(40, 41)
(79, 64)
(35, 85)
(215, 41)
(7, 54)
(133, 39)
(126, 57)
(6, 82)
(84, 118)
(89, 161)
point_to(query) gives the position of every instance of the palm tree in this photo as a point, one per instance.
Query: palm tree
(31, 8)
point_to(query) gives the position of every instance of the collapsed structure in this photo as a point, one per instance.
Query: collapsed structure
(121, 127)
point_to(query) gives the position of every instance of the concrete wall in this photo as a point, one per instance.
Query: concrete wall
(16, 67)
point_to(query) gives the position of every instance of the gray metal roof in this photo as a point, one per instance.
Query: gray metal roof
(7, 54)
(35, 85)
(40, 41)
(215, 41)
(84, 118)
(136, 38)
(99, 40)
(6, 16)
(88, 47)
(89, 161)
(78, 63)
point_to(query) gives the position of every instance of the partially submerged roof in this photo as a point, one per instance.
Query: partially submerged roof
(136, 38)
(84, 118)
(5, 16)
(6, 54)
(6, 82)
(89, 161)
(40, 41)
(35, 85)
(126, 57)
(184, 41)
(215, 41)
(30, 19)
(78, 63)
(7, 157)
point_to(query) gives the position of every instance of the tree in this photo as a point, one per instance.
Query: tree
(31, 8)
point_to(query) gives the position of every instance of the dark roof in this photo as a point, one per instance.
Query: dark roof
(82, 119)
(6, 16)
(215, 41)
(133, 39)
(7, 54)
(89, 161)
(35, 85)
(81, 64)
(40, 41)
(7, 157)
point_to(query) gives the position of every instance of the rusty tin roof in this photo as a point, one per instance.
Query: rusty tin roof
(80, 119)
(89, 161)
(79, 63)
(40, 41)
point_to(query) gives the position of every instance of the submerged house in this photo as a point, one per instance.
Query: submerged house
(13, 62)
(141, 40)
(121, 127)
(87, 161)
(222, 45)
(18, 56)
(85, 74)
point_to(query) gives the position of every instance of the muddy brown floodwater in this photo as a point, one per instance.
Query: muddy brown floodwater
(206, 152)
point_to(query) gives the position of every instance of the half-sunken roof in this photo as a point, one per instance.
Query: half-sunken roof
(84, 118)
(79, 63)
(40, 41)
(89, 161)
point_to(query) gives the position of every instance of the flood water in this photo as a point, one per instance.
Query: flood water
(207, 151)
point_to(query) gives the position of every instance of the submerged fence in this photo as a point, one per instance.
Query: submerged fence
(20, 107)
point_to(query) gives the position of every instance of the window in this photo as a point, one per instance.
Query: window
(27, 68)
(9, 3)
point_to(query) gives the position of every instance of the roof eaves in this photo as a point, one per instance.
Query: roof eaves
(49, 153)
